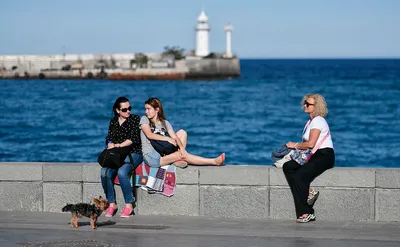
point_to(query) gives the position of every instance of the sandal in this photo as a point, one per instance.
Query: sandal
(306, 218)
(181, 164)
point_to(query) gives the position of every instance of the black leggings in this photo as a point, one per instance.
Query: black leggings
(300, 177)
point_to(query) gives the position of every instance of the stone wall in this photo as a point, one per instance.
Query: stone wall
(347, 194)
(213, 67)
(209, 68)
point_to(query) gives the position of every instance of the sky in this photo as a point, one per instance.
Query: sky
(262, 28)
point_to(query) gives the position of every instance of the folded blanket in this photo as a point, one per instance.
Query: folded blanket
(160, 180)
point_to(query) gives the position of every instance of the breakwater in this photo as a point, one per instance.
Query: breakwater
(347, 194)
(117, 67)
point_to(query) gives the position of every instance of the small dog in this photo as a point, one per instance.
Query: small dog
(92, 211)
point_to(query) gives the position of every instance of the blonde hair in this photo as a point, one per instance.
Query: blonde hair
(320, 107)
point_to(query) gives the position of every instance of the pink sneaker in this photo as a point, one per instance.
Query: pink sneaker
(127, 212)
(111, 212)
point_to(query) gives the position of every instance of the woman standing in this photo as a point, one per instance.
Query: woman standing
(316, 135)
(155, 122)
(123, 134)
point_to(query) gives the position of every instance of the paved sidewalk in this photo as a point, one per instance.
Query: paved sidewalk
(36, 229)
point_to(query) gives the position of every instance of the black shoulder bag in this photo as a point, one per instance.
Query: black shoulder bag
(114, 158)
(162, 147)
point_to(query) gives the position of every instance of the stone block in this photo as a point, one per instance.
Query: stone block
(91, 172)
(388, 178)
(57, 195)
(347, 177)
(346, 204)
(62, 172)
(185, 201)
(281, 205)
(387, 205)
(332, 204)
(189, 175)
(21, 196)
(277, 177)
(234, 201)
(336, 177)
(18, 171)
(234, 175)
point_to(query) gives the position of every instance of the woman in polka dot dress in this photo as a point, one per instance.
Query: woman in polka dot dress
(123, 133)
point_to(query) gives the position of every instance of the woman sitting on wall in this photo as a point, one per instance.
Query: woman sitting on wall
(124, 134)
(155, 126)
(316, 136)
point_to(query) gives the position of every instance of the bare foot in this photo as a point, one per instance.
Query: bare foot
(220, 160)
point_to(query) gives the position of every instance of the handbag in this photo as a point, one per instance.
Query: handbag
(113, 158)
(302, 156)
(163, 147)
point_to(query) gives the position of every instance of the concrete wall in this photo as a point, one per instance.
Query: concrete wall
(347, 194)
(36, 65)
(213, 67)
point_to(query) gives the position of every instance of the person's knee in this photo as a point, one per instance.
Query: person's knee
(122, 173)
(182, 133)
(137, 160)
(152, 159)
(286, 169)
(289, 167)
(103, 173)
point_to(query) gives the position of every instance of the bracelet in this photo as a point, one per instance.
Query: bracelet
(295, 145)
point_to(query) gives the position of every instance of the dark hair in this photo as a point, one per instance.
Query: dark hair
(156, 103)
(117, 105)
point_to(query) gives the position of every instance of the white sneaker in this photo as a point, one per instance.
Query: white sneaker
(312, 197)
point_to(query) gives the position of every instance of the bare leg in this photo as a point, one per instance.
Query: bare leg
(182, 135)
(193, 159)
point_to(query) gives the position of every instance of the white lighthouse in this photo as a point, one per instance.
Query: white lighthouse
(202, 35)
(228, 30)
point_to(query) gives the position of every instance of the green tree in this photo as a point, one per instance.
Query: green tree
(141, 59)
(174, 51)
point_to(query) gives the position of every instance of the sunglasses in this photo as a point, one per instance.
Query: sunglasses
(126, 109)
(307, 104)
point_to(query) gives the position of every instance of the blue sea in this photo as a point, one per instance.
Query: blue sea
(247, 118)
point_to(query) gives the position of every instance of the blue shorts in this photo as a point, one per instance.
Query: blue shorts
(152, 159)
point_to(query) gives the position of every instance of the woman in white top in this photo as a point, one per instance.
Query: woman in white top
(316, 134)
(155, 122)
